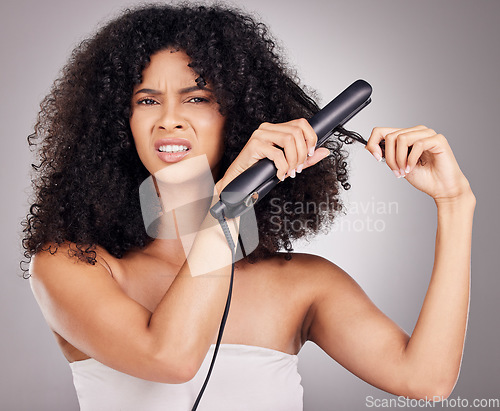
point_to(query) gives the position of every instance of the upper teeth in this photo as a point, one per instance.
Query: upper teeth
(173, 148)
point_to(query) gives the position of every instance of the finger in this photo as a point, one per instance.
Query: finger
(303, 134)
(293, 143)
(310, 139)
(405, 140)
(309, 134)
(269, 135)
(287, 142)
(435, 144)
(377, 135)
(318, 155)
(390, 149)
(295, 148)
(278, 157)
(390, 152)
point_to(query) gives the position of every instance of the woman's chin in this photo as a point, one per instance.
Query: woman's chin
(190, 171)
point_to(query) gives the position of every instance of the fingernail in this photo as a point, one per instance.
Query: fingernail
(282, 177)
(402, 172)
(311, 151)
(300, 167)
(396, 173)
(407, 169)
(377, 156)
(292, 173)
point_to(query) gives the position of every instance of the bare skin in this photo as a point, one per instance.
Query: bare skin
(146, 315)
(262, 313)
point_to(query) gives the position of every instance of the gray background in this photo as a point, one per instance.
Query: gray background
(430, 62)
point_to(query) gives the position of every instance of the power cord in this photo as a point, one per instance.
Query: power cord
(223, 223)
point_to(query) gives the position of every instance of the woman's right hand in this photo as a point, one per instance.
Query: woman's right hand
(290, 145)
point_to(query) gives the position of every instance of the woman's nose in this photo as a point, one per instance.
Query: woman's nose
(171, 118)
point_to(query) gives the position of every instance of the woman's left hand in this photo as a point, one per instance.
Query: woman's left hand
(430, 166)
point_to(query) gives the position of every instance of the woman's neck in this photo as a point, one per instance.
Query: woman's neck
(186, 192)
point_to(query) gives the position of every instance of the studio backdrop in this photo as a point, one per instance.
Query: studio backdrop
(431, 62)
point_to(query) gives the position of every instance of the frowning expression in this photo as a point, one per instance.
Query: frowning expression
(172, 117)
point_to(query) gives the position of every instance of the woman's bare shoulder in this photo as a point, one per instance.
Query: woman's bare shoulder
(61, 257)
(305, 264)
(308, 271)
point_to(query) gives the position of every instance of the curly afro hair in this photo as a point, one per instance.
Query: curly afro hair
(86, 180)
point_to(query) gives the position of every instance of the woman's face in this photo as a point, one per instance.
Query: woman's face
(172, 118)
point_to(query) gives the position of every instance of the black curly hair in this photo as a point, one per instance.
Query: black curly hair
(88, 172)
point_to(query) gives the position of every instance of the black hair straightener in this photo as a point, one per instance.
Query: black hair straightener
(241, 194)
(255, 182)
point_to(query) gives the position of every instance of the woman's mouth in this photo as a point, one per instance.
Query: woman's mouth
(172, 150)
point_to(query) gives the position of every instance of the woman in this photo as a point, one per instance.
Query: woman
(183, 94)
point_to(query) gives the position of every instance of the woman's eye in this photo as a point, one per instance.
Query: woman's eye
(197, 100)
(147, 101)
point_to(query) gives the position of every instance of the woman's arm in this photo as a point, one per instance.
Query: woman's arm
(87, 307)
(353, 331)
(434, 351)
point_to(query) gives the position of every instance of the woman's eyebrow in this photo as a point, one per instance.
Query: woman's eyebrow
(147, 91)
(193, 88)
(181, 91)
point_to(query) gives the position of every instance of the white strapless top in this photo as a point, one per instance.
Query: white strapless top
(244, 378)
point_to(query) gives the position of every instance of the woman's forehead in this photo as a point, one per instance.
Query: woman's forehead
(169, 67)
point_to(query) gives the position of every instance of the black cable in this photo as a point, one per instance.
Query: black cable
(227, 233)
